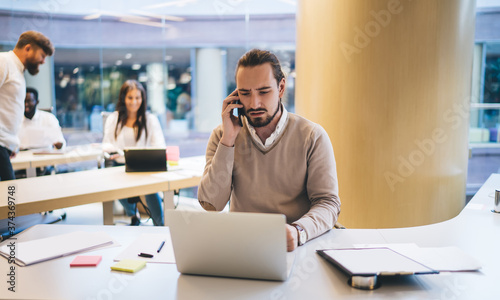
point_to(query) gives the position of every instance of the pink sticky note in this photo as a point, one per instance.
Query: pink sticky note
(173, 153)
(86, 261)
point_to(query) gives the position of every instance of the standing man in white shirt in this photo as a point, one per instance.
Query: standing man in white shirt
(39, 129)
(29, 53)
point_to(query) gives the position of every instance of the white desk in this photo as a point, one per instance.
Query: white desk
(45, 193)
(30, 161)
(476, 230)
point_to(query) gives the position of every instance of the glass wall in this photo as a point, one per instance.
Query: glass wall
(100, 44)
(484, 138)
(485, 104)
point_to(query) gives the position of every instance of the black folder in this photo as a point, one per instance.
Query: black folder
(373, 262)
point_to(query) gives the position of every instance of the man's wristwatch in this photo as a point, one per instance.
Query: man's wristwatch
(302, 235)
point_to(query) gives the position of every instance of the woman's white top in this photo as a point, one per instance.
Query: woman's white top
(126, 135)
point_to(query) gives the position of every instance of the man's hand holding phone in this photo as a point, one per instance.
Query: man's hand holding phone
(230, 124)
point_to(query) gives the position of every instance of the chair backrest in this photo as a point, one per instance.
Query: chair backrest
(49, 110)
(104, 115)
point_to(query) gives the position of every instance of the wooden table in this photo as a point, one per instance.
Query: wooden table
(45, 193)
(29, 160)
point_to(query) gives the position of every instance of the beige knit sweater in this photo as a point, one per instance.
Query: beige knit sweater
(296, 176)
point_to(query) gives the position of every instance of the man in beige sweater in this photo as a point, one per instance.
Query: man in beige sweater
(270, 160)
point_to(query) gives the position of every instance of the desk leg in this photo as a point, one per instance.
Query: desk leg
(30, 172)
(107, 213)
(168, 203)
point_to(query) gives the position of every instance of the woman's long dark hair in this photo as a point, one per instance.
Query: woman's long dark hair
(121, 108)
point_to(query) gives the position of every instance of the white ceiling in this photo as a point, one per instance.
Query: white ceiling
(488, 3)
(169, 7)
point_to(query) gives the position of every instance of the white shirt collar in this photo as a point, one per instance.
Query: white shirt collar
(279, 128)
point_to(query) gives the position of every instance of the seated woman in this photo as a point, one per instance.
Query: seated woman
(131, 126)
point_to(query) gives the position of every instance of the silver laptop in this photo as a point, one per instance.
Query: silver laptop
(244, 245)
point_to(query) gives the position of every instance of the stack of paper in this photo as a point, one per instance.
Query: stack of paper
(36, 251)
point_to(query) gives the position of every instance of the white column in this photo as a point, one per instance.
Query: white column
(209, 88)
(155, 88)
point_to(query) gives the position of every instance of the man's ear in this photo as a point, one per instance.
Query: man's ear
(28, 48)
(281, 87)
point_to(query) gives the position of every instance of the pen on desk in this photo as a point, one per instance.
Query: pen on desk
(161, 246)
(145, 255)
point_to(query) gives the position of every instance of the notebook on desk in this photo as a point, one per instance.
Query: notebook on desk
(145, 159)
(243, 245)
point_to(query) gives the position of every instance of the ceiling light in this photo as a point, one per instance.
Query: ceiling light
(128, 56)
(185, 78)
(92, 17)
(115, 75)
(143, 77)
(179, 3)
(136, 67)
(157, 16)
(119, 62)
(171, 83)
(147, 23)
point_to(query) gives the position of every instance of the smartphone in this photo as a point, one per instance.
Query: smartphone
(238, 113)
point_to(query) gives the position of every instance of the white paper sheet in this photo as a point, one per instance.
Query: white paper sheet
(149, 243)
(376, 261)
(437, 258)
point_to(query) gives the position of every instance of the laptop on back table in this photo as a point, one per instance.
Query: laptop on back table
(145, 159)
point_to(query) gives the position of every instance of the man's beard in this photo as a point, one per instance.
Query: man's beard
(259, 122)
(30, 114)
(32, 68)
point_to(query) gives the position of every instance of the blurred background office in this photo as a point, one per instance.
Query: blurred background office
(184, 53)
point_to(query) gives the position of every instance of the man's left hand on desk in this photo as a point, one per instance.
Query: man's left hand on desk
(291, 238)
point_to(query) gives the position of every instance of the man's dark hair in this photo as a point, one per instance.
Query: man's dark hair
(33, 91)
(257, 57)
(37, 39)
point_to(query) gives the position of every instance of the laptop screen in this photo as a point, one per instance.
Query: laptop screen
(145, 159)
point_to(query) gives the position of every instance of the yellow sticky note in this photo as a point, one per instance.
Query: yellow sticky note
(129, 265)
